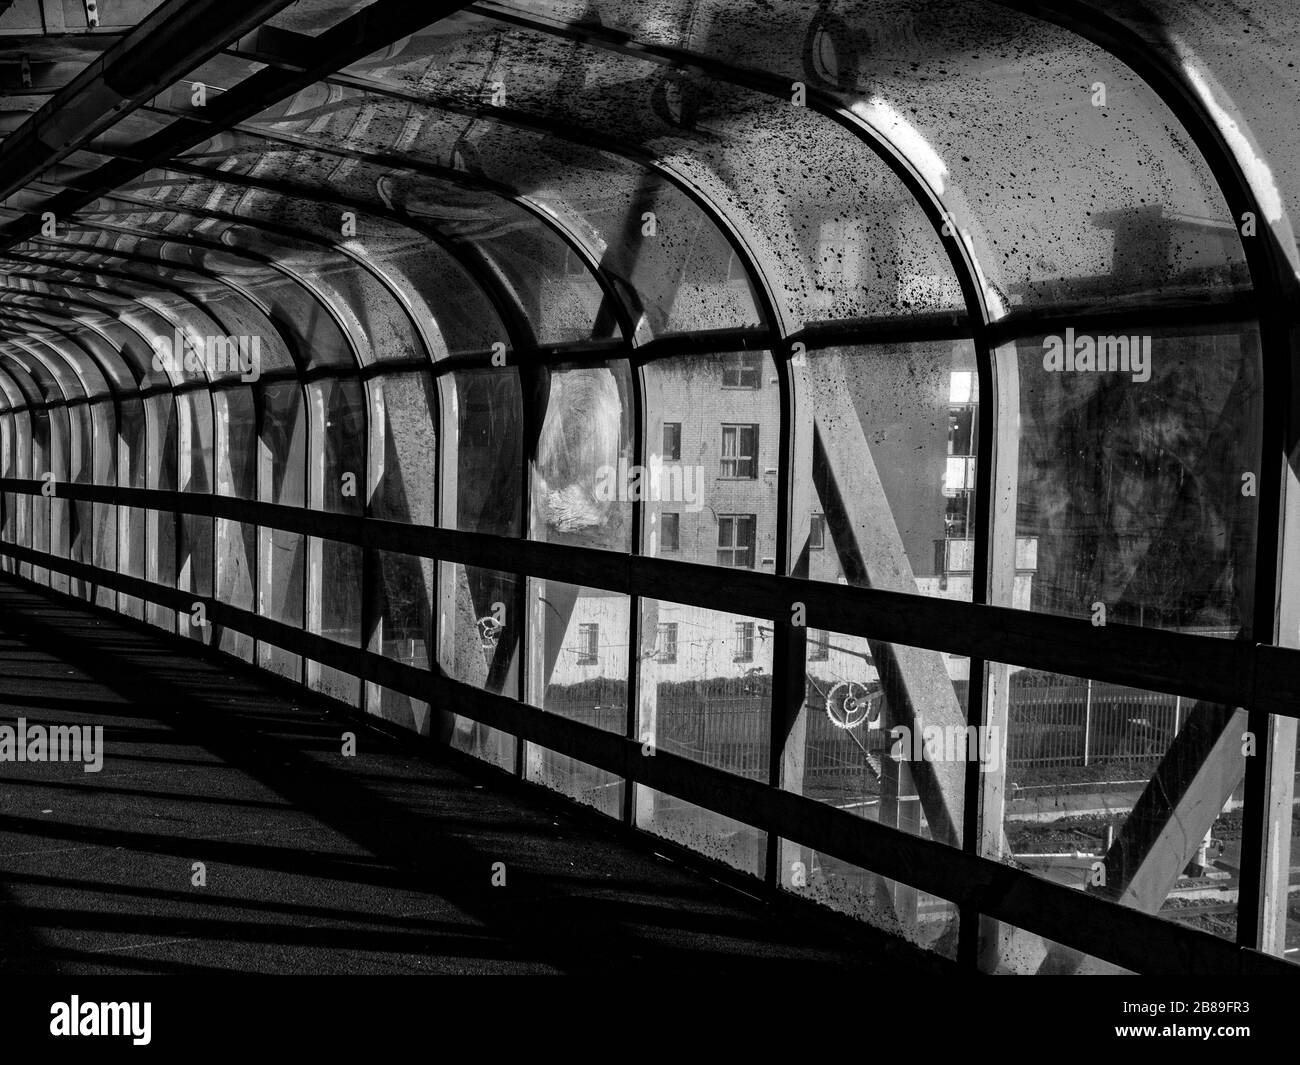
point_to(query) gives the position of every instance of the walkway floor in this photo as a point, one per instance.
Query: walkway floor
(315, 863)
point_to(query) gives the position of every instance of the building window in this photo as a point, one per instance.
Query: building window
(744, 641)
(817, 532)
(666, 639)
(819, 645)
(588, 644)
(959, 475)
(740, 451)
(743, 369)
(672, 441)
(736, 540)
(670, 532)
(963, 427)
(957, 519)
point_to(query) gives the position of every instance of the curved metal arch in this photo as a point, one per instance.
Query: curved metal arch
(225, 249)
(31, 392)
(9, 352)
(46, 277)
(49, 299)
(477, 266)
(344, 302)
(185, 295)
(478, 269)
(63, 341)
(50, 406)
(99, 271)
(515, 119)
(348, 249)
(9, 387)
(166, 315)
(54, 410)
(961, 255)
(234, 252)
(363, 261)
(76, 340)
(540, 211)
(29, 344)
(124, 371)
(143, 282)
(173, 267)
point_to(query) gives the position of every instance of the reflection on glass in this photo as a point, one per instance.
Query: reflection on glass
(890, 488)
(581, 495)
(1132, 453)
(713, 423)
(578, 669)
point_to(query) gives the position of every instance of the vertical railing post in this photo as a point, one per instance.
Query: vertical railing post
(1087, 720)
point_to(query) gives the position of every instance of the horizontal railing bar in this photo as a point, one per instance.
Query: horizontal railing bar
(1176, 663)
(1022, 323)
(1073, 918)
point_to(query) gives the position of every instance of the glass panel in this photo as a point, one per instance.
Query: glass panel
(489, 454)
(579, 667)
(40, 504)
(160, 526)
(576, 780)
(890, 905)
(710, 699)
(479, 613)
(314, 17)
(715, 501)
(195, 474)
(884, 735)
(723, 839)
(1135, 484)
(337, 481)
(580, 647)
(282, 481)
(1109, 791)
(338, 465)
(1006, 950)
(892, 422)
(406, 485)
(583, 446)
(132, 467)
(236, 542)
(105, 514)
(404, 607)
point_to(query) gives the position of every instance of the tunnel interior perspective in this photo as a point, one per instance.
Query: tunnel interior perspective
(849, 445)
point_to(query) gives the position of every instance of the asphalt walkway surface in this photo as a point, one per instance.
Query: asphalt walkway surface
(313, 862)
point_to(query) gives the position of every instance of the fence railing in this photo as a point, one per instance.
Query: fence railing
(1054, 723)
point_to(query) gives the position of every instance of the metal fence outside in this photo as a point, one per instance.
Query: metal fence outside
(1054, 723)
